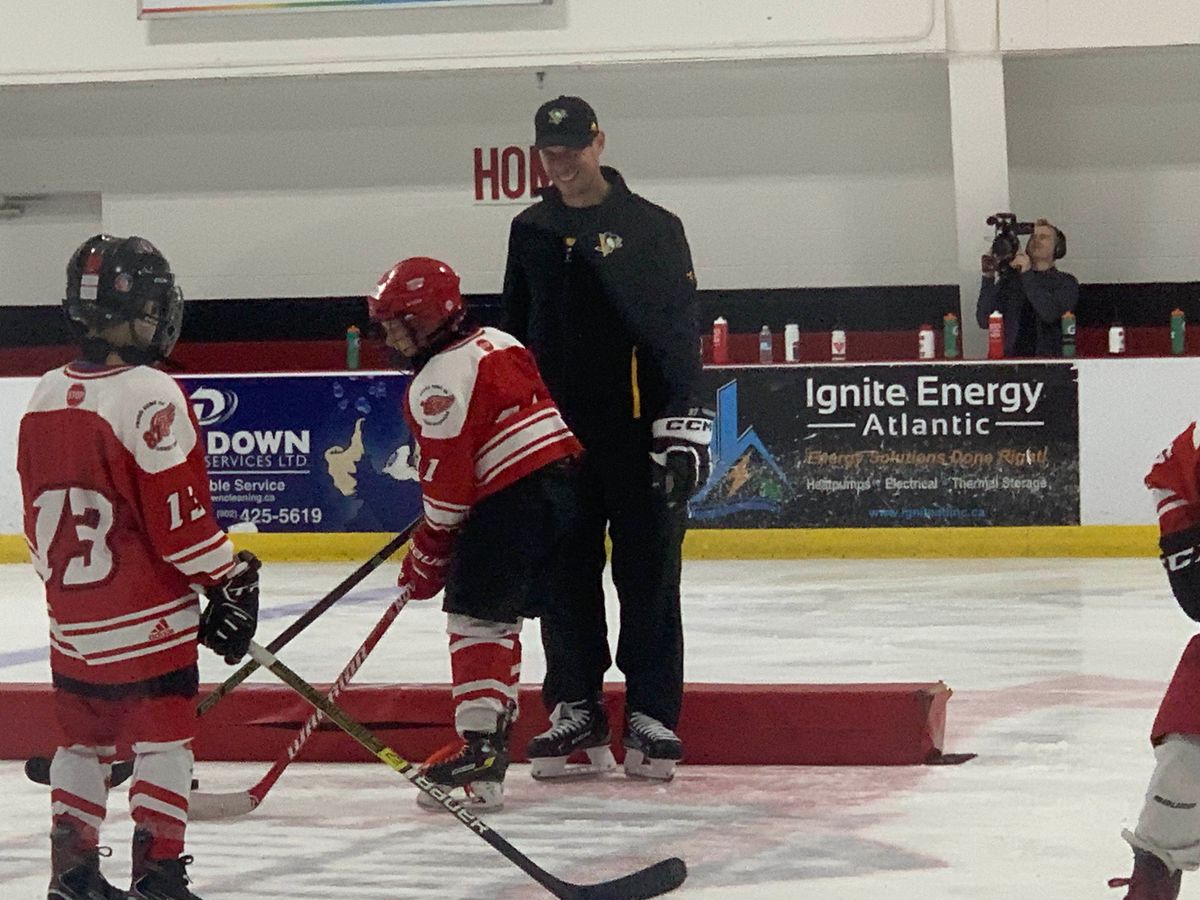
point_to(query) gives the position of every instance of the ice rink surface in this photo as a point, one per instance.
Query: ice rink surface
(1057, 667)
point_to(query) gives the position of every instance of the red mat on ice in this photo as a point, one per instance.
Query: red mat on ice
(728, 724)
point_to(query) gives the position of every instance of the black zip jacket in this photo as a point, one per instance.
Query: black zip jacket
(605, 298)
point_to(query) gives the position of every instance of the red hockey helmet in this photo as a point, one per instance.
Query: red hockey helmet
(423, 294)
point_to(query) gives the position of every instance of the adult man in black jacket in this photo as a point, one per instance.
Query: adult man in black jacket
(599, 285)
(1031, 294)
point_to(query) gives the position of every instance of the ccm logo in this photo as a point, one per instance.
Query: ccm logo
(696, 426)
(1180, 559)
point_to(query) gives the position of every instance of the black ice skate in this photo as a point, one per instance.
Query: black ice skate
(471, 771)
(651, 748)
(75, 872)
(580, 726)
(158, 879)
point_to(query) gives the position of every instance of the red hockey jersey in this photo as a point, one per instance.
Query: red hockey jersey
(118, 519)
(1174, 480)
(482, 419)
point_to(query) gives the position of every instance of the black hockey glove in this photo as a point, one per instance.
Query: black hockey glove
(679, 456)
(1180, 552)
(228, 623)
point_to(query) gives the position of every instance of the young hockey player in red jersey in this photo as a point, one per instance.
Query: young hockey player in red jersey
(118, 520)
(496, 462)
(1167, 837)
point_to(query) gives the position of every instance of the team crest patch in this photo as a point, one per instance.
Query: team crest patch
(436, 403)
(75, 394)
(608, 243)
(556, 115)
(155, 420)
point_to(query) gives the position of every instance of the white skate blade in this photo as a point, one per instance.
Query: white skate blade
(638, 765)
(481, 795)
(555, 768)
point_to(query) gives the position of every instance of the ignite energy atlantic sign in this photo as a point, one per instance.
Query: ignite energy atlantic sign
(870, 446)
(155, 8)
(323, 453)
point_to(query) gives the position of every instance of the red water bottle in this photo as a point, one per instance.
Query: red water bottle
(720, 341)
(996, 335)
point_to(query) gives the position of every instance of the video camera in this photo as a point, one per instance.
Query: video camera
(1007, 241)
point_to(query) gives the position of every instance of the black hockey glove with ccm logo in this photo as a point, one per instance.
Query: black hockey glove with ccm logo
(679, 456)
(1181, 558)
(228, 623)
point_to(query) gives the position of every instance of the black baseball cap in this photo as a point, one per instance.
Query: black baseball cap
(565, 122)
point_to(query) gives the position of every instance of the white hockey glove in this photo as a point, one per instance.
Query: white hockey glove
(679, 455)
(228, 623)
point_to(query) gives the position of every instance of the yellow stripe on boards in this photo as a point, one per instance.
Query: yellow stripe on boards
(763, 543)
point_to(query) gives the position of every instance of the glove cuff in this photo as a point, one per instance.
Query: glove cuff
(693, 429)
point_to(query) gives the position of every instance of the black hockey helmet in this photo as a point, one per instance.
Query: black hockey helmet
(111, 280)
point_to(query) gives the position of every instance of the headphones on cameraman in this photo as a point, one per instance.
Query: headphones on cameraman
(1060, 242)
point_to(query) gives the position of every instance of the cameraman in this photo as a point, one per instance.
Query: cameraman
(1030, 292)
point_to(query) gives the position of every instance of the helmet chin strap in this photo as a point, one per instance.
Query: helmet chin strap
(96, 349)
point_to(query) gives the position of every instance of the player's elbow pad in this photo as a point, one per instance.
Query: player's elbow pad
(1181, 558)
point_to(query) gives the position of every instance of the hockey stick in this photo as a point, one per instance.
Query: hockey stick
(205, 805)
(348, 584)
(37, 768)
(659, 878)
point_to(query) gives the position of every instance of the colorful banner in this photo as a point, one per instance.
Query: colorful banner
(314, 453)
(884, 445)
(153, 8)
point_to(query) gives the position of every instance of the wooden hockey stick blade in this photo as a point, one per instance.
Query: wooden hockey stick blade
(347, 584)
(656, 879)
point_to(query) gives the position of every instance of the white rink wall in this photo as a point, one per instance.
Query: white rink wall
(1129, 410)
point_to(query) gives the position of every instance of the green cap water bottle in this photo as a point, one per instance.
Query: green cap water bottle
(1178, 331)
(950, 333)
(1068, 333)
(353, 341)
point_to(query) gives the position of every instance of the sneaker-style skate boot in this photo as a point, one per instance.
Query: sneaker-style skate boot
(158, 879)
(1151, 879)
(470, 771)
(579, 726)
(651, 748)
(75, 872)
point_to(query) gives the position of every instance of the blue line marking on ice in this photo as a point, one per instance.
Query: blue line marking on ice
(355, 598)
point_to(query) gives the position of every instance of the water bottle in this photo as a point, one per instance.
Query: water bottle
(950, 334)
(837, 345)
(353, 342)
(766, 350)
(1068, 333)
(791, 343)
(996, 335)
(720, 341)
(1116, 339)
(925, 345)
(1178, 331)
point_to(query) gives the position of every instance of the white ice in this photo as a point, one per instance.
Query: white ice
(1056, 665)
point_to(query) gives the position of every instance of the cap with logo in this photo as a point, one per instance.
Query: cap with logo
(565, 122)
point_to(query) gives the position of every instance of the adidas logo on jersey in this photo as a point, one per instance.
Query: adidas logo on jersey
(161, 631)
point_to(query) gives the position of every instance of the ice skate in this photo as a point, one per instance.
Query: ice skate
(471, 771)
(651, 748)
(577, 727)
(76, 871)
(158, 879)
(1151, 879)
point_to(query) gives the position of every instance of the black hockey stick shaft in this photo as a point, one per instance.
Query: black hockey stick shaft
(37, 768)
(348, 584)
(659, 878)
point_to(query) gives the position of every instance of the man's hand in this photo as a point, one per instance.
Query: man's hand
(987, 264)
(423, 570)
(1021, 262)
(679, 457)
(228, 623)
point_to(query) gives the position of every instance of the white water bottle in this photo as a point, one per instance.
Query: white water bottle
(791, 343)
(1116, 339)
(837, 345)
